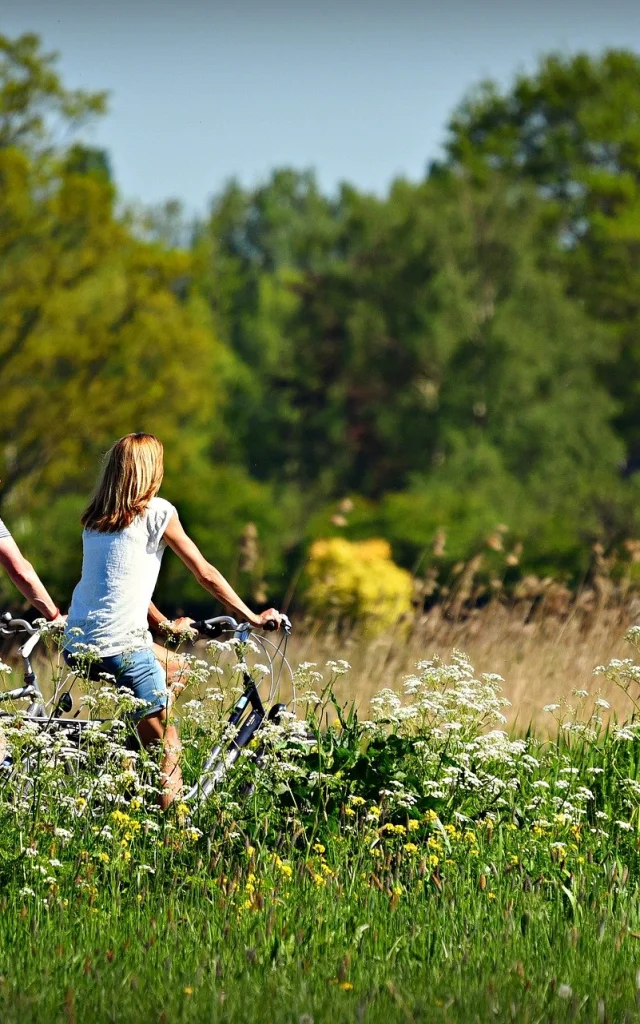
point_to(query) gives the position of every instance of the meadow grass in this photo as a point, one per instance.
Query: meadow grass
(337, 955)
(541, 655)
(410, 862)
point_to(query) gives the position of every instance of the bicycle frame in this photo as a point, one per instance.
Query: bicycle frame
(220, 759)
(245, 718)
(217, 765)
(30, 687)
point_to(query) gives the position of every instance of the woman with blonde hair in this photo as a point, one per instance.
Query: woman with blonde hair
(126, 529)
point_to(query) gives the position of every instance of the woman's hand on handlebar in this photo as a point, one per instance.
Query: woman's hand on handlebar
(271, 615)
(174, 627)
(182, 624)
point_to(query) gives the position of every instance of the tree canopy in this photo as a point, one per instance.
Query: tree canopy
(573, 129)
(456, 356)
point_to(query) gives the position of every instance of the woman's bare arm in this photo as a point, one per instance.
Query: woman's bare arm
(208, 576)
(25, 578)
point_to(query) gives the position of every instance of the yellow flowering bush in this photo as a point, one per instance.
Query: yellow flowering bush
(357, 580)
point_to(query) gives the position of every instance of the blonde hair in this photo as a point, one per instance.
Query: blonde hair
(131, 475)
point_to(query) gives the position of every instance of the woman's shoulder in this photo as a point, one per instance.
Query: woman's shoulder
(160, 505)
(159, 513)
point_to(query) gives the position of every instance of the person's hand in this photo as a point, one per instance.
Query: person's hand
(271, 615)
(183, 624)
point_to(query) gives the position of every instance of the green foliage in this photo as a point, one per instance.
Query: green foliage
(34, 104)
(573, 128)
(456, 355)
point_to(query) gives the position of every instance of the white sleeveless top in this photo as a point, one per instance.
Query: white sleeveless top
(119, 574)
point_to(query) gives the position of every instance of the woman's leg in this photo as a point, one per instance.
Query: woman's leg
(141, 673)
(155, 730)
(175, 667)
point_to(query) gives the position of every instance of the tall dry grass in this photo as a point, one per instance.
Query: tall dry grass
(541, 654)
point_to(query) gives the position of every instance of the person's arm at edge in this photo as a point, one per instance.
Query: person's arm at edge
(209, 577)
(25, 578)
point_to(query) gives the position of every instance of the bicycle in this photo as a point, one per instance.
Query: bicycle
(248, 714)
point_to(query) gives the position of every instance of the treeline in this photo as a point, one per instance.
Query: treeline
(454, 367)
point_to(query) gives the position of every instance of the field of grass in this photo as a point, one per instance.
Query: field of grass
(540, 655)
(410, 862)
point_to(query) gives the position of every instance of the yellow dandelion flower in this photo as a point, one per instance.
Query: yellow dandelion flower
(346, 986)
(318, 847)
(413, 824)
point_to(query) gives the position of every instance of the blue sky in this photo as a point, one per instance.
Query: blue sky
(360, 91)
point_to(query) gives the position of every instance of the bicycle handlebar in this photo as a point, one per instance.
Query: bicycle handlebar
(9, 625)
(19, 693)
(219, 624)
(212, 627)
(215, 626)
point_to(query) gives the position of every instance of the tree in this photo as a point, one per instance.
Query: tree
(37, 112)
(94, 341)
(442, 325)
(246, 260)
(101, 332)
(573, 129)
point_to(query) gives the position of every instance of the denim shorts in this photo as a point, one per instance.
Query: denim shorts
(138, 671)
